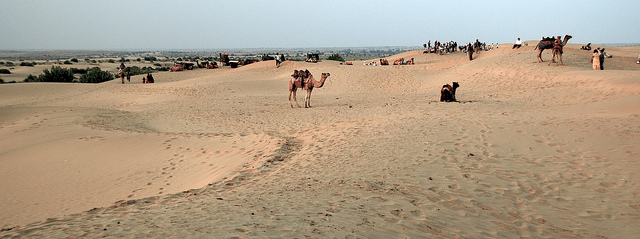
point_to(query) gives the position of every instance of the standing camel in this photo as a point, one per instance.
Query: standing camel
(547, 43)
(304, 80)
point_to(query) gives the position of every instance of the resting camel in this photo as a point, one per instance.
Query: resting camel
(547, 43)
(448, 92)
(304, 80)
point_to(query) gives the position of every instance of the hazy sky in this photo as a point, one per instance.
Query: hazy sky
(210, 24)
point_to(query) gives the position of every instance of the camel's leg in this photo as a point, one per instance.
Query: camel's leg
(295, 98)
(540, 56)
(307, 99)
(290, 92)
(560, 57)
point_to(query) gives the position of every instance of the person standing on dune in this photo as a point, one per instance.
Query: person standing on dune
(470, 51)
(595, 59)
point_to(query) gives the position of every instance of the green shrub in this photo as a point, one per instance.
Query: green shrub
(57, 74)
(95, 75)
(111, 61)
(134, 70)
(335, 57)
(31, 78)
(79, 71)
(157, 64)
(150, 58)
(67, 62)
(27, 63)
(5, 71)
(9, 64)
(74, 60)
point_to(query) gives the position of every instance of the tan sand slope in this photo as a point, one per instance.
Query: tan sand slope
(530, 151)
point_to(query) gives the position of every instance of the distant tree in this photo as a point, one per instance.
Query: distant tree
(335, 57)
(95, 75)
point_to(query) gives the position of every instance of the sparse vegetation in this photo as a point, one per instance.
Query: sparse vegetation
(24, 63)
(56, 74)
(335, 57)
(95, 75)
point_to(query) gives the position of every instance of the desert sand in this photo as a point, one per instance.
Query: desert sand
(529, 151)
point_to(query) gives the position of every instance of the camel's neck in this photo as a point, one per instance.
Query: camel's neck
(566, 39)
(316, 84)
(321, 83)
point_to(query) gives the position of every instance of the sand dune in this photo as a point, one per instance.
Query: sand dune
(530, 151)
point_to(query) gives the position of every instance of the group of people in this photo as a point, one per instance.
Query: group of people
(279, 59)
(597, 59)
(440, 47)
(145, 80)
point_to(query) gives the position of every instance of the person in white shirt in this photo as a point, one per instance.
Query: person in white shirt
(518, 44)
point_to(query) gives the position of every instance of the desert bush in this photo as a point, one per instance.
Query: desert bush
(95, 75)
(93, 61)
(157, 64)
(27, 63)
(74, 60)
(57, 74)
(134, 70)
(67, 62)
(111, 61)
(335, 57)
(150, 58)
(9, 64)
(79, 71)
(5, 71)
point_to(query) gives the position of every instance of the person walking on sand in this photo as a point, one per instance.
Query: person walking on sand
(470, 51)
(595, 59)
